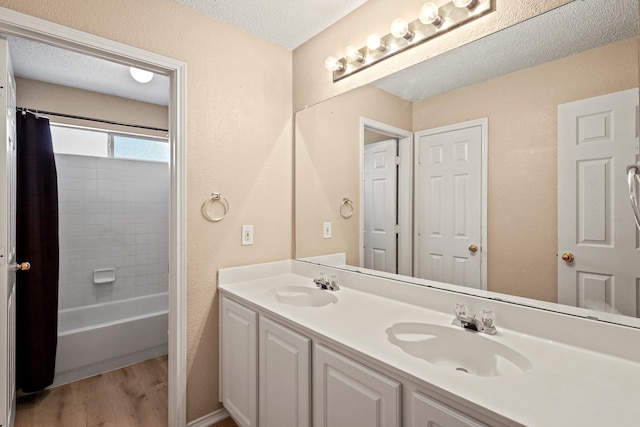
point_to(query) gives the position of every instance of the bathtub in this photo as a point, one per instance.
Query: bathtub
(102, 337)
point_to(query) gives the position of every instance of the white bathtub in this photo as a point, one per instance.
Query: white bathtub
(102, 337)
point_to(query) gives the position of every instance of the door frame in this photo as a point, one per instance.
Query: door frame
(484, 172)
(405, 190)
(27, 26)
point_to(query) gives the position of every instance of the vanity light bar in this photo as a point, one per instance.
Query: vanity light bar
(405, 35)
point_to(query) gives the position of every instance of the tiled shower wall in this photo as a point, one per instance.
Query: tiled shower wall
(113, 214)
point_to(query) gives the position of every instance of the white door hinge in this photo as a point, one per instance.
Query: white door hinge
(396, 228)
(397, 160)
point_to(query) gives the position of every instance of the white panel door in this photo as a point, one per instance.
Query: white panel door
(285, 376)
(348, 394)
(7, 240)
(449, 205)
(597, 139)
(380, 206)
(238, 362)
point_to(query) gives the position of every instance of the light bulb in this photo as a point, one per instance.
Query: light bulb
(429, 14)
(352, 54)
(141, 76)
(333, 64)
(469, 4)
(400, 29)
(375, 42)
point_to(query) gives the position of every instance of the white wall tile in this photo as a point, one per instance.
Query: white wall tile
(113, 214)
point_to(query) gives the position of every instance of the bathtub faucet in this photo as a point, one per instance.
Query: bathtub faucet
(330, 284)
(486, 323)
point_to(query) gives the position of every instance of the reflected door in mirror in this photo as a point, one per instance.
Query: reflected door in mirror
(380, 206)
(597, 138)
(449, 204)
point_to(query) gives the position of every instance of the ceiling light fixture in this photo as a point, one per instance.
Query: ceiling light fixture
(432, 21)
(141, 76)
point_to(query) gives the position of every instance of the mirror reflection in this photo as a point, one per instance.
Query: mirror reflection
(499, 166)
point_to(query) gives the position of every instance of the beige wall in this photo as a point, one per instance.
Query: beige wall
(239, 142)
(312, 83)
(522, 112)
(239, 101)
(43, 96)
(327, 166)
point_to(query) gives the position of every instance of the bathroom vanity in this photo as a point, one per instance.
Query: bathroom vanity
(383, 352)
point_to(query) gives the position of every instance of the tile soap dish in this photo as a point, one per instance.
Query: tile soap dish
(105, 275)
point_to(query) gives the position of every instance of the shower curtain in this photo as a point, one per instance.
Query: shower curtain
(36, 242)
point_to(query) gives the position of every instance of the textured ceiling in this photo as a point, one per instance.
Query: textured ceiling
(573, 28)
(578, 26)
(284, 22)
(50, 64)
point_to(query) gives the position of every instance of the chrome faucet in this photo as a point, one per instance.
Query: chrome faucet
(330, 284)
(486, 323)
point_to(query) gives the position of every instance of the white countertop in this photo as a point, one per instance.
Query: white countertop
(567, 385)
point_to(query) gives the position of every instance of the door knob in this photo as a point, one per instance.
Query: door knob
(567, 257)
(23, 266)
(473, 248)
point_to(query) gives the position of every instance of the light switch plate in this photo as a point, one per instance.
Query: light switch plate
(326, 230)
(247, 235)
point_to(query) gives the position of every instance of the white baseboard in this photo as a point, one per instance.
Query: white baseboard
(210, 419)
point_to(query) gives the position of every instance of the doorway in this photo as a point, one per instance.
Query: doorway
(25, 26)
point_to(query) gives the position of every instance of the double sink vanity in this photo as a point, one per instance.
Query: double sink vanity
(378, 351)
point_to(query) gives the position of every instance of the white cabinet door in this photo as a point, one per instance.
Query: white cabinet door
(285, 358)
(238, 362)
(348, 394)
(427, 412)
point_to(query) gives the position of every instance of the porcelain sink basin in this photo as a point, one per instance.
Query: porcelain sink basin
(458, 349)
(302, 296)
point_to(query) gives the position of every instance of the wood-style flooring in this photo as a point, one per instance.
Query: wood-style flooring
(134, 396)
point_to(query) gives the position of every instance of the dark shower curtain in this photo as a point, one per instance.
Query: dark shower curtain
(37, 242)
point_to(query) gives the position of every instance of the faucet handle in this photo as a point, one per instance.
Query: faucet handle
(461, 310)
(320, 280)
(488, 317)
(333, 282)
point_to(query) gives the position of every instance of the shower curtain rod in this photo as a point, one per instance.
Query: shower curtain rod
(71, 116)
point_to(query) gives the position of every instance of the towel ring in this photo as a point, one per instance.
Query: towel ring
(215, 197)
(346, 208)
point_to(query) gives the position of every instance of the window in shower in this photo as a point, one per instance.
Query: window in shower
(83, 142)
(98, 143)
(130, 147)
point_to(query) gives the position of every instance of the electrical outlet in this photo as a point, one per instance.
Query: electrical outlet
(326, 230)
(247, 235)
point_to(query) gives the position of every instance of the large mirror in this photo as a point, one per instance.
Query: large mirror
(498, 166)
